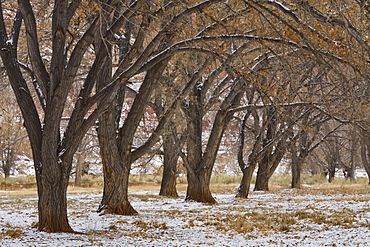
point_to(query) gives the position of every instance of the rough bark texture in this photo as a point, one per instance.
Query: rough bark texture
(53, 149)
(198, 187)
(274, 149)
(265, 162)
(53, 200)
(246, 168)
(171, 155)
(198, 178)
(116, 170)
(262, 179)
(296, 168)
(199, 163)
(245, 183)
(115, 194)
(331, 173)
(52, 170)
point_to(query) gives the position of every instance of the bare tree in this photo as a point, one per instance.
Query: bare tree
(53, 147)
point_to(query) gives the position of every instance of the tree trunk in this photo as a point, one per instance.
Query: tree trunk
(268, 165)
(365, 155)
(52, 180)
(296, 175)
(262, 180)
(78, 176)
(171, 154)
(296, 168)
(116, 172)
(245, 184)
(6, 168)
(115, 194)
(247, 169)
(352, 169)
(116, 168)
(331, 172)
(9, 161)
(198, 187)
(81, 159)
(53, 205)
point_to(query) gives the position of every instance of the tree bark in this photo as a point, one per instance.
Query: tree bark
(296, 167)
(269, 162)
(78, 176)
(262, 179)
(115, 167)
(198, 187)
(365, 145)
(245, 184)
(199, 163)
(170, 157)
(264, 163)
(247, 169)
(331, 172)
(80, 164)
(53, 198)
(115, 194)
(198, 178)
(334, 159)
(352, 169)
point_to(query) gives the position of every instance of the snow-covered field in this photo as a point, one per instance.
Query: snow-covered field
(286, 217)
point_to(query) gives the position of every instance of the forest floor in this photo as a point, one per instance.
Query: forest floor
(312, 216)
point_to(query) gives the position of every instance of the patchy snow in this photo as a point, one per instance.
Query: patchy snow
(286, 217)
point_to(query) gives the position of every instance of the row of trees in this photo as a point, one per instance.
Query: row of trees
(291, 73)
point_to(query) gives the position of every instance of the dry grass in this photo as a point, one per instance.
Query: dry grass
(281, 210)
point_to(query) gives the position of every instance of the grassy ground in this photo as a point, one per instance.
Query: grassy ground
(298, 214)
(220, 183)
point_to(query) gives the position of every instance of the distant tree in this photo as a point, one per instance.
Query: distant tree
(13, 137)
(87, 154)
(365, 153)
(171, 139)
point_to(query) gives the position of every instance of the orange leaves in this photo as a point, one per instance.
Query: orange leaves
(87, 9)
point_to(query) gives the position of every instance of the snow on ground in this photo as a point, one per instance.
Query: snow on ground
(280, 218)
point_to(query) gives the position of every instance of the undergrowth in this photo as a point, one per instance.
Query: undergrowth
(217, 181)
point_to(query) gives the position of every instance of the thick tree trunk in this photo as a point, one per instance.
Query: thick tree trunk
(247, 169)
(262, 180)
(171, 155)
(198, 188)
(52, 179)
(81, 159)
(199, 163)
(296, 168)
(115, 167)
(245, 184)
(53, 205)
(267, 167)
(115, 194)
(268, 164)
